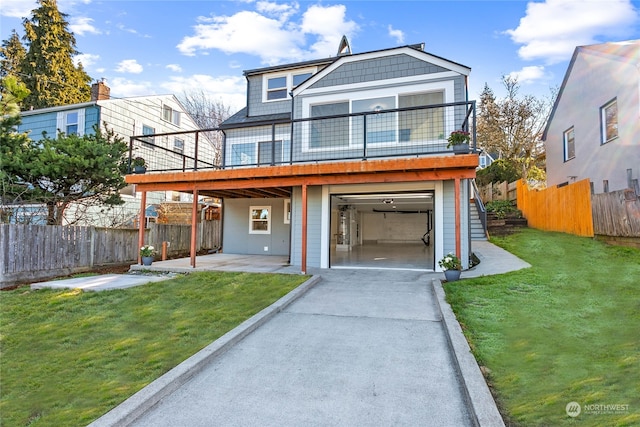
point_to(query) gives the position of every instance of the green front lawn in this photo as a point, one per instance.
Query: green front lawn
(68, 356)
(565, 330)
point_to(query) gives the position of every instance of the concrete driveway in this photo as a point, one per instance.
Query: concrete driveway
(358, 348)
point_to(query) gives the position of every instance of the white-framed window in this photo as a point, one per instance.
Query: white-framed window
(329, 133)
(569, 144)
(71, 122)
(178, 145)
(609, 120)
(287, 211)
(260, 220)
(243, 153)
(269, 152)
(171, 115)
(148, 130)
(429, 125)
(278, 85)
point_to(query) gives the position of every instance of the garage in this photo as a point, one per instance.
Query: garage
(389, 230)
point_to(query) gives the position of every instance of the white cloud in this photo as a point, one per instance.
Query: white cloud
(271, 33)
(528, 75)
(231, 90)
(328, 25)
(83, 25)
(129, 66)
(125, 88)
(396, 34)
(175, 68)
(551, 30)
(17, 8)
(87, 59)
(121, 27)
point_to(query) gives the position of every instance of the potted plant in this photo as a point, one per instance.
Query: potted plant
(147, 252)
(451, 265)
(459, 140)
(139, 165)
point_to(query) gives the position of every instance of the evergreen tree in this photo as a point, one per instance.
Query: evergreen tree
(13, 145)
(48, 69)
(12, 55)
(57, 172)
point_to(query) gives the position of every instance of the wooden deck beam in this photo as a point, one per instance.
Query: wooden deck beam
(238, 186)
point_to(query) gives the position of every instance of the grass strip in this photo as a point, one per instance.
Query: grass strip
(67, 357)
(565, 330)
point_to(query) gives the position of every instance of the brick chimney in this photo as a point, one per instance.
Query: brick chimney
(99, 91)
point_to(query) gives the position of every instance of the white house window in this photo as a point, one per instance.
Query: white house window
(269, 152)
(178, 145)
(260, 220)
(609, 121)
(423, 124)
(380, 127)
(171, 115)
(329, 133)
(71, 126)
(71, 122)
(148, 130)
(243, 154)
(569, 144)
(278, 86)
(299, 78)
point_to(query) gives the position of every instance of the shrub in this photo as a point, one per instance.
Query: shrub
(503, 208)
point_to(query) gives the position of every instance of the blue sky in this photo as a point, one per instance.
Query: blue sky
(147, 47)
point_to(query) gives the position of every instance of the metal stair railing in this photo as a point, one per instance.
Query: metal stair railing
(482, 211)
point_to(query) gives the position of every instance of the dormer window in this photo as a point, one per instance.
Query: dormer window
(277, 86)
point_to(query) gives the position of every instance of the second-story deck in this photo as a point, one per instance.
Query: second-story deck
(408, 132)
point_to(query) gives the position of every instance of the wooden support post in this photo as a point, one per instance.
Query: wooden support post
(142, 222)
(457, 215)
(164, 251)
(304, 230)
(194, 228)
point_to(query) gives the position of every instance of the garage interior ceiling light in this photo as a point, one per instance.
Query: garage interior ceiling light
(387, 196)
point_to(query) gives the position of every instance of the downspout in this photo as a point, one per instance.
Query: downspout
(223, 155)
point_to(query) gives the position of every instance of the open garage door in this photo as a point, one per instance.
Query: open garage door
(382, 230)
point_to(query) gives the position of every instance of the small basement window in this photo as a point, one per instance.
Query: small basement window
(260, 220)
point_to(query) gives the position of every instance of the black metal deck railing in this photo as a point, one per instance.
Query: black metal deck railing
(399, 132)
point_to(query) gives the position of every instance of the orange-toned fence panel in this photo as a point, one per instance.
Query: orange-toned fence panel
(566, 209)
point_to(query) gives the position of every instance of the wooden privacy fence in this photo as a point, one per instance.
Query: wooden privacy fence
(499, 191)
(37, 252)
(566, 209)
(616, 214)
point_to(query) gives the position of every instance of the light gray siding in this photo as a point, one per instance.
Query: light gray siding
(370, 70)
(592, 82)
(449, 220)
(314, 223)
(259, 108)
(236, 237)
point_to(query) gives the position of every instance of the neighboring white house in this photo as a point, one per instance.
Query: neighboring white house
(142, 115)
(593, 131)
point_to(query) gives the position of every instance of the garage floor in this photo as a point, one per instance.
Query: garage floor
(405, 256)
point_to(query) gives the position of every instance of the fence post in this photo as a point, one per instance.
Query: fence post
(92, 248)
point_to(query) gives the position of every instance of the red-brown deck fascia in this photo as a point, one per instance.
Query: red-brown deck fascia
(276, 181)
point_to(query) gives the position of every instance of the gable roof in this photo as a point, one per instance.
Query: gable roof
(416, 50)
(624, 51)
